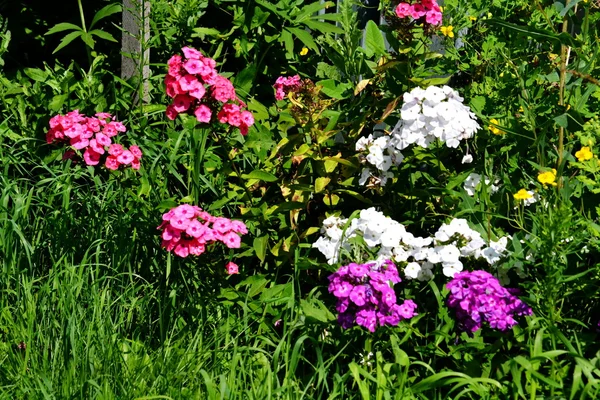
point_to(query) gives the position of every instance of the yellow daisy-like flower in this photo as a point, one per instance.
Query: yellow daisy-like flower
(584, 154)
(447, 31)
(548, 177)
(522, 195)
(495, 129)
(304, 51)
(472, 18)
(521, 109)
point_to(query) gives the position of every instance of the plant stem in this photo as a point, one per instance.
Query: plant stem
(83, 26)
(564, 53)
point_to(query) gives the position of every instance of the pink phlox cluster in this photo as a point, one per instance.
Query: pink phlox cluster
(93, 136)
(196, 87)
(429, 10)
(188, 230)
(366, 295)
(478, 296)
(283, 85)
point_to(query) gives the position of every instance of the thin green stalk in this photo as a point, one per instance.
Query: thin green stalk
(83, 26)
(564, 53)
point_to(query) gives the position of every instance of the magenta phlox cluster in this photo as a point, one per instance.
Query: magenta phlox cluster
(93, 136)
(283, 85)
(366, 295)
(196, 87)
(426, 10)
(478, 296)
(189, 230)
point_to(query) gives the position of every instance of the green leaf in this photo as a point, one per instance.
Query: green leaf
(36, 74)
(311, 9)
(562, 120)
(288, 42)
(260, 175)
(335, 90)
(63, 26)
(103, 35)
(57, 102)
(562, 38)
(67, 39)
(321, 183)
(431, 81)
(323, 27)
(201, 32)
(305, 38)
(260, 247)
(316, 310)
(105, 12)
(88, 40)
(374, 43)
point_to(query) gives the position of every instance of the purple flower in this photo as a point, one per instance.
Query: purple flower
(478, 296)
(366, 296)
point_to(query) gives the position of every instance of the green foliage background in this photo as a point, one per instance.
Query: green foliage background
(92, 307)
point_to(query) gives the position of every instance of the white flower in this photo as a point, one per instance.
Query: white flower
(467, 159)
(448, 254)
(400, 254)
(471, 183)
(450, 269)
(491, 255)
(364, 176)
(411, 271)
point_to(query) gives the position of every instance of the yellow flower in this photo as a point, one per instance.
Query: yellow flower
(522, 195)
(548, 177)
(472, 18)
(304, 51)
(584, 154)
(447, 31)
(521, 109)
(493, 128)
(441, 9)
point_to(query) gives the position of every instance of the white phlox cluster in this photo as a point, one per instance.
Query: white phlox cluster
(473, 182)
(433, 113)
(379, 156)
(451, 243)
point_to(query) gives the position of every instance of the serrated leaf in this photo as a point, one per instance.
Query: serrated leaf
(88, 39)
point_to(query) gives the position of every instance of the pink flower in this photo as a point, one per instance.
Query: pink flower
(125, 157)
(104, 115)
(222, 225)
(195, 229)
(69, 154)
(115, 149)
(135, 150)
(417, 11)
(184, 211)
(203, 114)
(182, 102)
(78, 143)
(103, 140)
(175, 63)
(135, 164)
(189, 52)
(403, 10)
(206, 216)
(232, 240)
(96, 147)
(239, 227)
(118, 126)
(180, 223)
(73, 131)
(434, 18)
(198, 92)
(188, 82)
(235, 119)
(110, 130)
(196, 248)
(171, 113)
(111, 163)
(172, 85)
(247, 118)
(182, 250)
(243, 130)
(171, 234)
(193, 66)
(232, 268)
(91, 157)
(93, 124)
